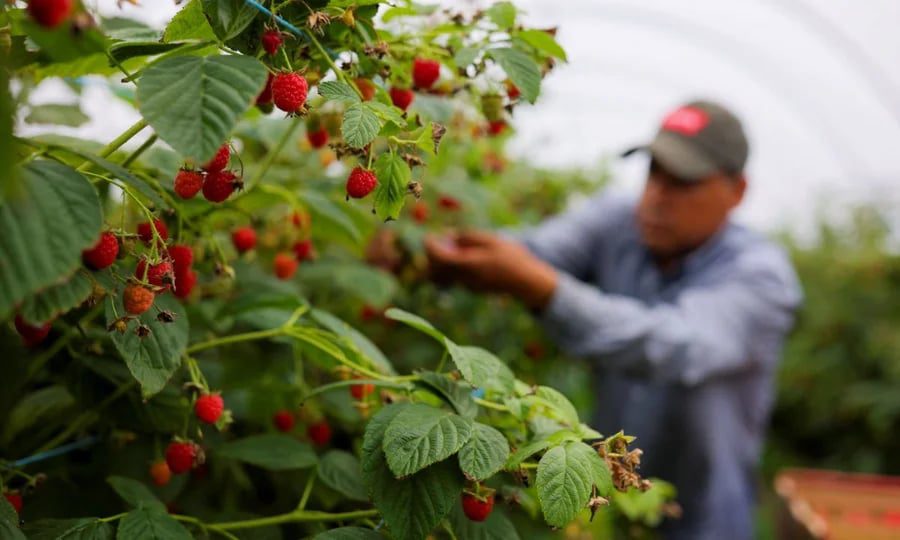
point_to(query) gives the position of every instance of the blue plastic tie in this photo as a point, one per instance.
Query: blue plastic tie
(285, 24)
(58, 451)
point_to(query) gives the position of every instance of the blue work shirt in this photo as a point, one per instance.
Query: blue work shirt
(683, 360)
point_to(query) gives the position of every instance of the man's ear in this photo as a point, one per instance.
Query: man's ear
(739, 187)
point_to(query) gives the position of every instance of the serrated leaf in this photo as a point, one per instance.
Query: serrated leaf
(416, 322)
(496, 527)
(484, 453)
(564, 479)
(521, 69)
(360, 126)
(342, 472)
(369, 350)
(558, 403)
(69, 529)
(153, 358)
(393, 178)
(189, 23)
(46, 224)
(193, 103)
(425, 140)
(422, 435)
(338, 91)
(134, 493)
(388, 113)
(56, 113)
(58, 299)
(270, 451)
(118, 172)
(413, 506)
(525, 452)
(455, 394)
(543, 42)
(349, 533)
(63, 45)
(373, 438)
(480, 367)
(503, 14)
(602, 476)
(228, 18)
(151, 524)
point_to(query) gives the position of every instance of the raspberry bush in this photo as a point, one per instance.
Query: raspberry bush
(184, 352)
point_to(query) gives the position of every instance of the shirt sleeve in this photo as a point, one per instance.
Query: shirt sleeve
(708, 331)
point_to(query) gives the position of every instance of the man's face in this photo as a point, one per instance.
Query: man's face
(675, 216)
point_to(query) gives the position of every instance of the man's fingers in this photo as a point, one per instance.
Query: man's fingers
(473, 238)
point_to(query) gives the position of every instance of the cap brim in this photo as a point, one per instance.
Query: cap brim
(677, 157)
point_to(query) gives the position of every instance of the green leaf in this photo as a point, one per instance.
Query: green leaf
(564, 478)
(349, 533)
(338, 91)
(373, 438)
(360, 126)
(132, 49)
(484, 454)
(425, 140)
(52, 216)
(422, 435)
(369, 350)
(193, 103)
(456, 395)
(496, 527)
(151, 523)
(153, 358)
(465, 56)
(558, 404)
(543, 42)
(387, 113)
(525, 452)
(36, 408)
(522, 70)
(270, 451)
(69, 529)
(602, 477)
(342, 472)
(503, 14)
(416, 322)
(57, 299)
(480, 367)
(135, 493)
(324, 209)
(189, 23)
(63, 45)
(56, 113)
(414, 505)
(393, 178)
(228, 18)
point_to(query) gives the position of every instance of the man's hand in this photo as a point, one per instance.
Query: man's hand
(486, 262)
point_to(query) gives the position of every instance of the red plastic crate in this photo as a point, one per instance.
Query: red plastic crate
(834, 505)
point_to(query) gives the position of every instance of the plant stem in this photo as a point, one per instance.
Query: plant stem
(237, 338)
(117, 142)
(338, 72)
(112, 518)
(304, 516)
(272, 154)
(140, 150)
(341, 384)
(307, 489)
(491, 405)
(440, 365)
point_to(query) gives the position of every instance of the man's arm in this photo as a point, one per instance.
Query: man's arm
(708, 331)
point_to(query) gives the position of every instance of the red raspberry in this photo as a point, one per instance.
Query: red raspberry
(219, 161)
(137, 299)
(449, 203)
(160, 473)
(182, 256)
(31, 335)
(103, 253)
(218, 186)
(496, 127)
(289, 91)
(145, 233)
(366, 88)
(272, 41)
(15, 500)
(185, 280)
(265, 96)
(188, 183)
(182, 456)
(425, 72)
(360, 183)
(318, 138)
(319, 433)
(360, 391)
(420, 212)
(285, 265)
(475, 508)
(244, 239)
(402, 97)
(512, 91)
(160, 274)
(50, 13)
(283, 420)
(303, 249)
(209, 407)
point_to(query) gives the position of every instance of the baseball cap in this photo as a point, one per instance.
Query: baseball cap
(699, 139)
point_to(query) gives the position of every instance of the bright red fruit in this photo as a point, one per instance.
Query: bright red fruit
(496, 127)
(145, 232)
(319, 433)
(285, 265)
(160, 274)
(449, 203)
(420, 212)
(289, 91)
(15, 500)
(272, 41)
(50, 13)
(425, 72)
(31, 335)
(318, 138)
(103, 253)
(188, 183)
(244, 239)
(303, 250)
(160, 473)
(402, 97)
(185, 280)
(360, 391)
(283, 420)
(366, 88)
(220, 160)
(181, 456)
(477, 509)
(360, 183)
(218, 186)
(182, 256)
(209, 407)
(137, 299)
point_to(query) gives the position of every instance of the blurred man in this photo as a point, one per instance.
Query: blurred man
(681, 312)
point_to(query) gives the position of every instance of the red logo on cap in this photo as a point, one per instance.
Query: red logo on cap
(686, 120)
